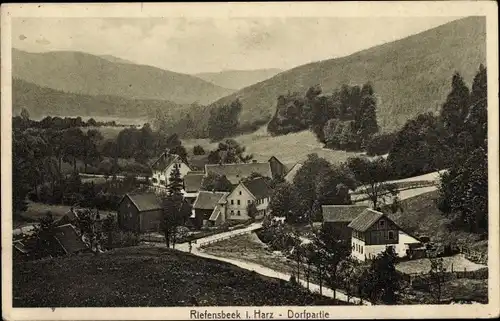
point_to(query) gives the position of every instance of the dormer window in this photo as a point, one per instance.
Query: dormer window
(240, 192)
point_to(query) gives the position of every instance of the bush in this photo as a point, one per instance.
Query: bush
(124, 239)
(198, 150)
(380, 144)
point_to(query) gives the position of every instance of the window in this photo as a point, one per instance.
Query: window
(249, 201)
(391, 235)
(361, 249)
(232, 202)
(238, 213)
(238, 201)
(232, 212)
(240, 192)
(382, 223)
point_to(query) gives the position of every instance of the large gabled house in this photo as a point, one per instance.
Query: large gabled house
(163, 166)
(255, 191)
(372, 233)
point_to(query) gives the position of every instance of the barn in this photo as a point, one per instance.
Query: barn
(140, 213)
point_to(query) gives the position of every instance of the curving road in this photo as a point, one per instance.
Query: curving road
(196, 250)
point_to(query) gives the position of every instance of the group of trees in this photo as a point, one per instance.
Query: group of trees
(223, 121)
(345, 119)
(229, 152)
(316, 183)
(38, 156)
(455, 140)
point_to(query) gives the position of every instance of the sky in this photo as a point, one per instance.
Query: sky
(194, 45)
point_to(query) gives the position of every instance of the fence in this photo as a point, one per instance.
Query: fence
(227, 237)
(417, 278)
(358, 195)
(474, 256)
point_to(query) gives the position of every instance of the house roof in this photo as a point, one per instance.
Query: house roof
(208, 200)
(192, 181)
(164, 161)
(145, 201)
(69, 239)
(235, 172)
(20, 246)
(198, 161)
(292, 172)
(258, 187)
(341, 213)
(215, 214)
(365, 220)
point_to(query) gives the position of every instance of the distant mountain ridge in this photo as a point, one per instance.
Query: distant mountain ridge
(237, 79)
(410, 76)
(86, 74)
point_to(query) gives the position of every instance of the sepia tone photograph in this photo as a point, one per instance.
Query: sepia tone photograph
(232, 160)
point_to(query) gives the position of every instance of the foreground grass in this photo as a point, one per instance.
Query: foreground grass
(147, 276)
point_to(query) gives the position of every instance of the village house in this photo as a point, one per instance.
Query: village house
(372, 232)
(67, 242)
(236, 172)
(140, 213)
(255, 191)
(336, 218)
(163, 166)
(209, 209)
(192, 185)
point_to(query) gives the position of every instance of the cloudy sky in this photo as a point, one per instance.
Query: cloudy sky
(200, 45)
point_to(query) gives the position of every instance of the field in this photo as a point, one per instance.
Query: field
(451, 263)
(289, 148)
(251, 249)
(146, 276)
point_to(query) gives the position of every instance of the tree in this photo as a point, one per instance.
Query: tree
(333, 251)
(229, 152)
(174, 145)
(455, 109)
(437, 279)
(365, 120)
(90, 151)
(175, 210)
(283, 202)
(223, 120)
(108, 227)
(198, 150)
(87, 223)
(463, 192)
(72, 145)
(252, 210)
(216, 182)
(477, 118)
(381, 282)
(22, 164)
(372, 175)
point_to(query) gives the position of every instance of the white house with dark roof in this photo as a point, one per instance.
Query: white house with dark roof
(372, 233)
(255, 191)
(163, 166)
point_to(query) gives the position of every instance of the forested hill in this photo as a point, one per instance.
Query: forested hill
(41, 101)
(83, 73)
(410, 76)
